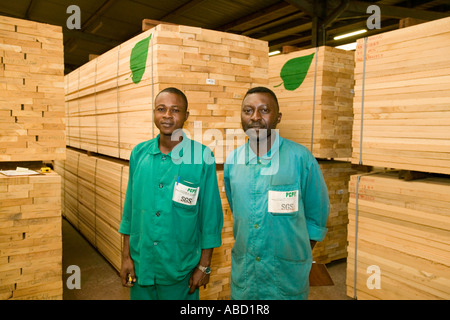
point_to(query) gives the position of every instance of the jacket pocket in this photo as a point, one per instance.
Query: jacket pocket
(292, 278)
(284, 200)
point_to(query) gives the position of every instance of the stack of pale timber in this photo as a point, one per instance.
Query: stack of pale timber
(109, 100)
(31, 91)
(319, 109)
(93, 195)
(334, 246)
(30, 237)
(219, 283)
(406, 99)
(403, 231)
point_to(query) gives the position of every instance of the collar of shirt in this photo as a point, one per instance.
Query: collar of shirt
(252, 158)
(177, 151)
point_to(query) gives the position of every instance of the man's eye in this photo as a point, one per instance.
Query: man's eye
(247, 110)
(175, 110)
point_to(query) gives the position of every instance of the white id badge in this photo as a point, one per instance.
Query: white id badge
(185, 194)
(283, 201)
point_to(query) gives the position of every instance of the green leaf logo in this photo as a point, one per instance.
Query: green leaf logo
(294, 72)
(138, 59)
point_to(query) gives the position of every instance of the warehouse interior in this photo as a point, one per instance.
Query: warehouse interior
(297, 23)
(389, 184)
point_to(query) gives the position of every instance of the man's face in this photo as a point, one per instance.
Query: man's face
(259, 111)
(170, 113)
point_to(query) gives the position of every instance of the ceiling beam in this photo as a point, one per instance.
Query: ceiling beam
(181, 9)
(270, 25)
(305, 5)
(273, 12)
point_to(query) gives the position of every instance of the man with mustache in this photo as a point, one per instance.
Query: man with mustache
(172, 216)
(280, 206)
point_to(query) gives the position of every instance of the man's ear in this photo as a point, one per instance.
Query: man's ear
(186, 116)
(279, 117)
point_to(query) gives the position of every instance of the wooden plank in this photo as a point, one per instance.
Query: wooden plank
(32, 66)
(406, 99)
(30, 237)
(109, 114)
(404, 229)
(331, 79)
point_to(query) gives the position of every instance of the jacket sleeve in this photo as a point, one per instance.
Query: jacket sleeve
(211, 214)
(226, 180)
(316, 202)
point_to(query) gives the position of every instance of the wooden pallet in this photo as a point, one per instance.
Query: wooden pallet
(109, 112)
(318, 113)
(30, 237)
(404, 230)
(31, 91)
(406, 98)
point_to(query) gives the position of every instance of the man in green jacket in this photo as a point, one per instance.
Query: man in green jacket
(280, 206)
(172, 216)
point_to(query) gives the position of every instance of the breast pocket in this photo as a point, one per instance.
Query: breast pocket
(284, 200)
(185, 208)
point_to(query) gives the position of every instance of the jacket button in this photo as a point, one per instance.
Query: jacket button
(160, 185)
(158, 214)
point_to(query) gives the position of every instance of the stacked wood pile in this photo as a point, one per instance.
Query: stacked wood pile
(31, 91)
(94, 189)
(406, 99)
(404, 231)
(334, 246)
(31, 131)
(317, 112)
(219, 283)
(109, 101)
(402, 112)
(30, 237)
(93, 194)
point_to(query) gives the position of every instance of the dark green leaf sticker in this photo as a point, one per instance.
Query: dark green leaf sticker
(294, 72)
(138, 59)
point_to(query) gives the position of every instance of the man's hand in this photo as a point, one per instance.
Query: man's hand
(127, 269)
(198, 278)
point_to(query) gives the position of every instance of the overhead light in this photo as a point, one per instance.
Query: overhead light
(350, 34)
(348, 46)
(274, 52)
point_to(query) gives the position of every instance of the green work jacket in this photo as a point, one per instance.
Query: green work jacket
(279, 202)
(172, 210)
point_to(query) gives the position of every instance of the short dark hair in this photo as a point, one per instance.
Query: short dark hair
(263, 90)
(175, 91)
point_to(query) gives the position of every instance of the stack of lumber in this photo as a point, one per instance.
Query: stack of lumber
(317, 113)
(334, 246)
(219, 282)
(404, 230)
(30, 237)
(31, 91)
(93, 195)
(109, 100)
(406, 97)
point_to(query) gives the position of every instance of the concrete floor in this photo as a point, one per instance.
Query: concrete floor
(100, 281)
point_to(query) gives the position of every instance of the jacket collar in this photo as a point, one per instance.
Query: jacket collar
(252, 157)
